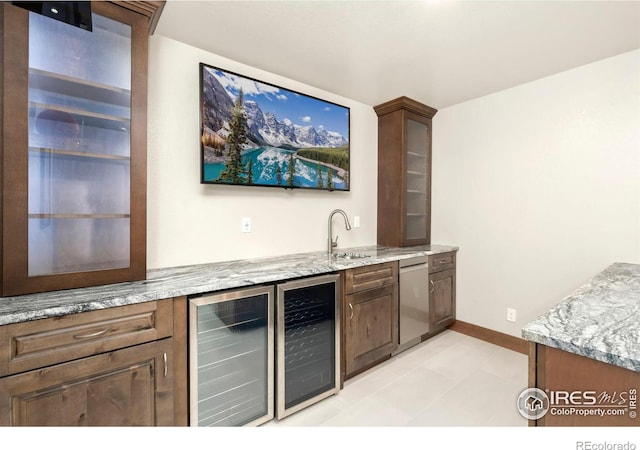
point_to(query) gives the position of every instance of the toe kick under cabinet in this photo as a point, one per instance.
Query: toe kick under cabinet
(121, 366)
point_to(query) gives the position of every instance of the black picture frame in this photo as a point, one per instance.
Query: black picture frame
(254, 133)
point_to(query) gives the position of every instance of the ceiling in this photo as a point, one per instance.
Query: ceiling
(439, 52)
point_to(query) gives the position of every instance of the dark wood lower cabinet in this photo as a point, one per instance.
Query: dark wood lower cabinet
(442, 291)
(442, 299)
(371, 332)
(122, 366)
(370, 317)
(128, 387)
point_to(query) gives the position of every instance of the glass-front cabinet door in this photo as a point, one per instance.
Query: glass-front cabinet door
(79, 146)
(417, 181)
(82, 192)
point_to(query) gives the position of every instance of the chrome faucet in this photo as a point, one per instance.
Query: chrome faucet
(330, 242)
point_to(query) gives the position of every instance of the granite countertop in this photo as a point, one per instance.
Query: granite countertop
(601, 320)
(198, 279)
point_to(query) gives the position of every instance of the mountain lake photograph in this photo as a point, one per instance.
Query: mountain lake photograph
(255, 133)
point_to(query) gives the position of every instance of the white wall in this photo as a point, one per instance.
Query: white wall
(190, 223)
(539, 185)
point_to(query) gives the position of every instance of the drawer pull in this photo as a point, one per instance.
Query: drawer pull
(91, 335)
(433, 287)
(164, 358)
(444, 261)
(351, 308)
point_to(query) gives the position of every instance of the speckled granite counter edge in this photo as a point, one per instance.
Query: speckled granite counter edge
(197, 279)
(600, 320)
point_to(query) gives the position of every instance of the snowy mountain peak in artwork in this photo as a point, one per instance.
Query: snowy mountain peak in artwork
(265, 128)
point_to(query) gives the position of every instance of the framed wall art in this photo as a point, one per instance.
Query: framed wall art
(258, 134)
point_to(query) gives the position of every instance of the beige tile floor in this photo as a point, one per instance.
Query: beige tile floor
(449, 380)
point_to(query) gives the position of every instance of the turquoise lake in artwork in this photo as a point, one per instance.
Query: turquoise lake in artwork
(266, 161)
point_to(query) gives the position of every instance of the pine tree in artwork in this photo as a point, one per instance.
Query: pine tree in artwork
(250, 172)
(291, 170)
(320, 182)
(234, 169)
(330, 179)
(278, 175)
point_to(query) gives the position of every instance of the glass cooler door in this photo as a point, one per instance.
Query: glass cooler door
(308, 367)
(231, 358)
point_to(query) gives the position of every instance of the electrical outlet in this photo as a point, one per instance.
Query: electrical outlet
(246, 224)
(511, 314)
(356, 221)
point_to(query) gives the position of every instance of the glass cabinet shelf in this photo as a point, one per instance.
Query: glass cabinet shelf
(92, 118)
(77, 87)
(79, 216)
(77, 153)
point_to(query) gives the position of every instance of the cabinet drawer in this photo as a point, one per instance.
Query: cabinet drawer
(442, 261)
(370, 277)
(30, 345)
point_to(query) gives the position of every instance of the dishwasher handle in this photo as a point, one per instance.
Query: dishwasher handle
(414, 268)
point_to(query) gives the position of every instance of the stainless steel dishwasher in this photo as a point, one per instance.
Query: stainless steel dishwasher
(414, 301)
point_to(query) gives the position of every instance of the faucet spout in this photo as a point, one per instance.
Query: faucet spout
(331, 244)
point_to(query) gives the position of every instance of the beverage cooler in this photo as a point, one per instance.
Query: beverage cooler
(308, 351)
(231, 358)
(236, 349)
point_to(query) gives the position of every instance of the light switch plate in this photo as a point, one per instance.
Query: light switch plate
(246, 224)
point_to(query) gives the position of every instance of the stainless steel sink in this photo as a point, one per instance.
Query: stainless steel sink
(350, 255)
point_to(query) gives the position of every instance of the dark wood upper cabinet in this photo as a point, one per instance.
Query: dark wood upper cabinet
(404, 172)
(73, 155)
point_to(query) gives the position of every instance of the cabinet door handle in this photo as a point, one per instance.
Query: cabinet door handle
(91, 335)
(433, 287)
(166, 368)
(351, 309)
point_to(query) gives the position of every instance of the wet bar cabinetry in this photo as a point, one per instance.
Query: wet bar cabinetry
(124, 366)
(404, 172)
(75, 357)
(442, 291)
(370, 312)
(73, 136)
